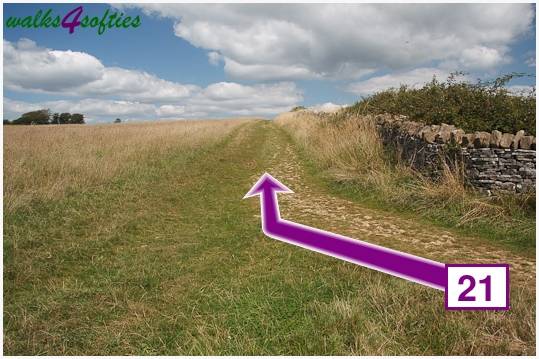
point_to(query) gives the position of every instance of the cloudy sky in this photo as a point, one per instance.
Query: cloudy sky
(205, 61)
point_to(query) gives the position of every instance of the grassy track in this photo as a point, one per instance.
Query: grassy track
(172, 261)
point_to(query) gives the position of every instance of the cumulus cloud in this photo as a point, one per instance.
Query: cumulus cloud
(481, 57)
(414, 78)
(108, 92)
(135, 85)
(170, 111)
(217, 100)
(29, 67)
(327, 107)
(37, 69)
(295, 41)
(243, 100)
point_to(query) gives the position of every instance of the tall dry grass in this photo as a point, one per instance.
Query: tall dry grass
(45, 162)
(348, 147)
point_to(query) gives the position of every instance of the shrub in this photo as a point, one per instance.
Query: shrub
(39, 117)
(65, 117)
(77, 118)
(480, 106)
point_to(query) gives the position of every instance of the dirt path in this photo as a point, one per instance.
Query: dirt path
(312, 206)
(172, 261)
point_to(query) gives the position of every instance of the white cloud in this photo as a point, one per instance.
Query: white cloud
(414, 78)
(280, 41)
(217, 100)
(327, 107)
(170, 111)
(480, 57)
(243, 100)
(108, 92)
(28, 67)
(265, 71)
(520, 89)
(136, 85)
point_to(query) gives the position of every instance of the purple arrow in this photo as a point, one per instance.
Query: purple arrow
(413, 268)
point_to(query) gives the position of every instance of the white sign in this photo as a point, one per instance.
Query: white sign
(477, 286)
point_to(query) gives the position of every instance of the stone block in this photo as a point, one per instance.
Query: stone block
(428, 135)
(526, 142)
(481, 139)
(456, 136)
(468, 139)
(495, 138)
(516, 139)
(506, 140)
(444, 134)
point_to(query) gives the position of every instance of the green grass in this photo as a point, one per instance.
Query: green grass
(509, 222)
(517, 233)
(170, 260)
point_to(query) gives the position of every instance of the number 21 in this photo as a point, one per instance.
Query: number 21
(464, 297)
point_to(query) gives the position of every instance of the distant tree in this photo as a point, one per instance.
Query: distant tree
(298, 108)
(117, 120)
(77, 118)
(44, 117)
(55, 118)
(7, 122)
(65, 118)
(39, 117)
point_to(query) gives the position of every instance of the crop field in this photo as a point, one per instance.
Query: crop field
(134, 239)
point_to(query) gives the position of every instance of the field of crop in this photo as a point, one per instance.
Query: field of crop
(134, 239)
(49, 161)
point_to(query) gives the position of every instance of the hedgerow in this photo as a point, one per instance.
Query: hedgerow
(479, 106)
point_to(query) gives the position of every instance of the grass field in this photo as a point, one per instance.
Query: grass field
(134, 239)
(346, 150)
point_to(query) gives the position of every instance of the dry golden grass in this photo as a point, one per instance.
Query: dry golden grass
(348, 147)
(45, 162)
(175, 263)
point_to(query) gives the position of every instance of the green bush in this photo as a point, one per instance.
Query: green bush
(39, 117)
(44, 117)
(480, 106)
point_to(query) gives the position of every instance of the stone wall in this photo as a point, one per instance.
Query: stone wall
(490, 161)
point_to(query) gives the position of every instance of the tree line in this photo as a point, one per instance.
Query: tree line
(45, 117)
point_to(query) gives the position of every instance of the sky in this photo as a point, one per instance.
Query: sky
(228, 60)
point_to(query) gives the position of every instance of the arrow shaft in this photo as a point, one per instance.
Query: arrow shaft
(400, 264)
(270, 209)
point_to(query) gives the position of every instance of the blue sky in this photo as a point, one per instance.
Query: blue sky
(202, 61)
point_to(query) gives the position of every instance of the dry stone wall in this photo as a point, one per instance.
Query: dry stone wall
(491, 161)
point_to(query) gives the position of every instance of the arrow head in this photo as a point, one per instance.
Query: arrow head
(267, 183)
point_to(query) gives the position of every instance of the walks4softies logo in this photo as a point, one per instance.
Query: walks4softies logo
(74, 19)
